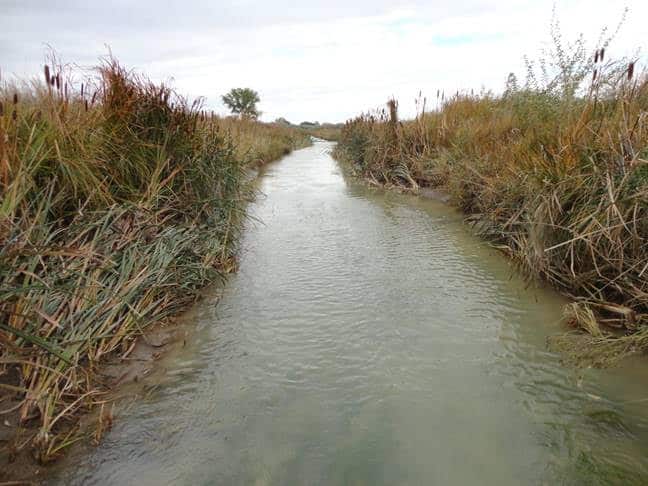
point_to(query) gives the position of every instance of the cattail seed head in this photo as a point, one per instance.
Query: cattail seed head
(14, 115)
(393, 110)
(58, 81)
(81, 90)
(631, 70)
(53, 80)
(15, 98)
(86, 104)
(594, 75)
(1, 109)
(47, 74)
(596, 56)
(602, 56)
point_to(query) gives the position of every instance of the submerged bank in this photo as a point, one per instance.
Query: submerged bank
(557, 181)
(120, 201)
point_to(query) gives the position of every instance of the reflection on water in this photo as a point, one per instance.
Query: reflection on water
(369, 338)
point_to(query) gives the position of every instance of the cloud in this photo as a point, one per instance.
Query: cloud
(312, 60)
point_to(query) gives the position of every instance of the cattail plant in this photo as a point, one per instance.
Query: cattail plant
(392, 105)
(128, 186)
(555, 173)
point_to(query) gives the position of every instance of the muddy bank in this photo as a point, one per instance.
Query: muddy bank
(119, 381)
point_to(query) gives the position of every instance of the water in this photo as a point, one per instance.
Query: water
(368, 338)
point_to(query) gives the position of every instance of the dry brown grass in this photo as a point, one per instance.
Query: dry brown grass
(120, 199)
(328, 132)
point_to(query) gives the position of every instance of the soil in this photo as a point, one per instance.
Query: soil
(121, 378)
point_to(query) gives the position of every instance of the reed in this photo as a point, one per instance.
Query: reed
(115, 210)
(555, 173)
(327, 131)
(259, 143)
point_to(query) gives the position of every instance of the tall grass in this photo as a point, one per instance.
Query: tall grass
(258, 143)
(327, 131)
(120, 199)
(556, 172)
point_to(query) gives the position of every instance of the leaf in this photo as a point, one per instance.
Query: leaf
(38, 341)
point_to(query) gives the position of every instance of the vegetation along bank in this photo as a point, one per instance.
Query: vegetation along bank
(120, 200)
(554, 171)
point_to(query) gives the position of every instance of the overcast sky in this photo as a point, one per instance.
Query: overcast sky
(325, 61)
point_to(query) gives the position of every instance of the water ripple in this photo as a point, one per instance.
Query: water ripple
(370, 338)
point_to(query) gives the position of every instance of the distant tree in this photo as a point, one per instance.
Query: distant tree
(282, 121)
(242, 102)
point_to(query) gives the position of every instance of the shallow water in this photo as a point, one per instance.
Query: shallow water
(368, 338)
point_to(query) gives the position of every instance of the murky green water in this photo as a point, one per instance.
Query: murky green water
(369, 339)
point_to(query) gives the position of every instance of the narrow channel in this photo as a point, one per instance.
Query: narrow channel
(369, 338)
